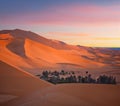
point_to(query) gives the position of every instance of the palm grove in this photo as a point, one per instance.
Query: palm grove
(56, 77)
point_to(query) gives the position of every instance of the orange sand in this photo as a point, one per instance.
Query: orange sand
(17, 82)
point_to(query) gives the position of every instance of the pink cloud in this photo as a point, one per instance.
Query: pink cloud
(74, 14)
(66, 34)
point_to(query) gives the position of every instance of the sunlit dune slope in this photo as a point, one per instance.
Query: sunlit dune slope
(34, 53)
(17, 82)
(8, 55)
(38, 51)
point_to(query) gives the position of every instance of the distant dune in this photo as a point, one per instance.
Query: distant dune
(33, 53)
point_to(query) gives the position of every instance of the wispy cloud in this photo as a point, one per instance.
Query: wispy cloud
(72, 14)
(86, 23)
(66, 34)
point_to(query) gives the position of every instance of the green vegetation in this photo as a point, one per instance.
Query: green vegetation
(71, 77)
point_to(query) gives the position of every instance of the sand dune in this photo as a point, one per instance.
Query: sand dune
(37, 52)
(33, 53)
(17, 82)
(26, 48)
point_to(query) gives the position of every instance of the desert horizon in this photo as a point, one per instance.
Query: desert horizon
(59, 53)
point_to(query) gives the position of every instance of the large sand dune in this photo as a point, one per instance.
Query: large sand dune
(17, 83)
(33, 53)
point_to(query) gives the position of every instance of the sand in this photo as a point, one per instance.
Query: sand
(72, 95)
(5, 98)
(18, 88)
(17, 83)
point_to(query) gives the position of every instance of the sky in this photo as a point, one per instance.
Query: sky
(93, 23)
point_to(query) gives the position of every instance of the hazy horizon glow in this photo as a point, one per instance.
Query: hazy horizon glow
(80, 22)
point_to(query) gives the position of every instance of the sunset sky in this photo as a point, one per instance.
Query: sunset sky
(80, 22)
